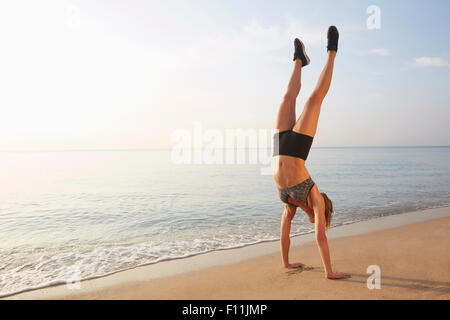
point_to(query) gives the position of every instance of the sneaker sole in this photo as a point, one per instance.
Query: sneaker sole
(304, 52)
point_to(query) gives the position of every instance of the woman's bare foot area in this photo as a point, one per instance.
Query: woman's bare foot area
(295, 265)
(337, 275)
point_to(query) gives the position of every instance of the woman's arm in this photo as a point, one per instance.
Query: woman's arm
(322, 242)
(321, 239)
(285, 241)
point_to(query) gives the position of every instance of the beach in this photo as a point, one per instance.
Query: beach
(410, 249)
(137, 166)
(89, 220)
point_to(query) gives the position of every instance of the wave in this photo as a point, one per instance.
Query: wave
(63, 266)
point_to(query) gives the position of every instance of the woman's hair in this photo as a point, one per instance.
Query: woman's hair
(328, 209)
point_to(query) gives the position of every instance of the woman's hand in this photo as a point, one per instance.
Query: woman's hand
(337, 275)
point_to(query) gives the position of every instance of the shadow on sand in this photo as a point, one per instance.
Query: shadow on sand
(389, 281)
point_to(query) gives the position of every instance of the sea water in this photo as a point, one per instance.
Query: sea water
(80, 214)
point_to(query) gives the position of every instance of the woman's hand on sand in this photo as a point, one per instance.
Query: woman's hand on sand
(337, 275)
(294, 265)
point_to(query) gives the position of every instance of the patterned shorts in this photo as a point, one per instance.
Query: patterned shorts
(298, 192)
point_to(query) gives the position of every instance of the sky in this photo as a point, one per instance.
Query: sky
(128, 74)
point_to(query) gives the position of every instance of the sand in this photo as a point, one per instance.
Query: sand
(411, 250)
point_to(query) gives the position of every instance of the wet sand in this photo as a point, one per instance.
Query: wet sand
(412, 251)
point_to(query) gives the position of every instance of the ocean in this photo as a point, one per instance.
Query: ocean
(73, 215)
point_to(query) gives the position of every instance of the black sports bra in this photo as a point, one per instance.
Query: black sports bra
(291, 143)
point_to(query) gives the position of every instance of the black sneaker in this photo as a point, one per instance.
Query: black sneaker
(300, 52)
(333, 37)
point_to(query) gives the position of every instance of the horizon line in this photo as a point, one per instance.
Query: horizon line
(156, 149)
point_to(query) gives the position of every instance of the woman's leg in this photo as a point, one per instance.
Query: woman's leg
(307, 122)
(286, 112)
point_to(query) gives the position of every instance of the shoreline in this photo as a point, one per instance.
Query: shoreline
(222, 258)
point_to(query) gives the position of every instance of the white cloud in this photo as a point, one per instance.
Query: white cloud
(383, 52)
(430, 62)
(252, 40)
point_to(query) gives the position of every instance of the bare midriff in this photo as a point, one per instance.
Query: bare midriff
(289, 171)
